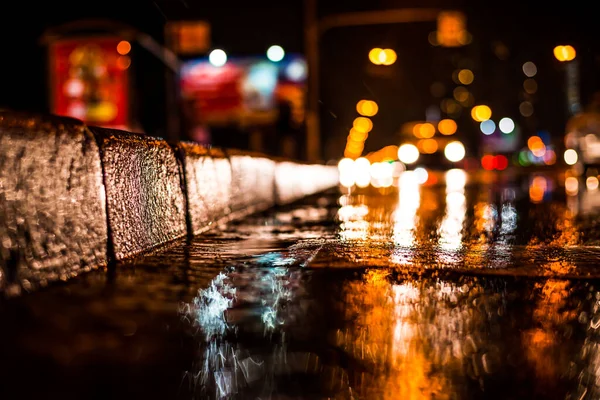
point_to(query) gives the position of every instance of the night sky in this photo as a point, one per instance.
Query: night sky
(249, 27)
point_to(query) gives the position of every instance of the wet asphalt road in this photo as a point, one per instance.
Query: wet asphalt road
(469, 288)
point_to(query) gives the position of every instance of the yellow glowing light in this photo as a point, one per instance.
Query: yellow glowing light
(124, 47)
(389, 58)
(382, 56)
(357, 136)
(570, 157)
(363, 124)
(564, 53)
(447, 127)
(367, 108)
(466, 76)
(481, 113)
(426, 130)
(375, 54)
(408, 153)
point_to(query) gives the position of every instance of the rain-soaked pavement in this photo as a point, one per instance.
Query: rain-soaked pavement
(456, 289)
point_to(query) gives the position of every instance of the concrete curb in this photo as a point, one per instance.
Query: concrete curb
(73, 197)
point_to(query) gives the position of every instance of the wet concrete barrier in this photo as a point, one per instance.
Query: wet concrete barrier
(294, 181)
(52, 201)
(207, 176)
(74, 197)
(253, 180)
(144, 191)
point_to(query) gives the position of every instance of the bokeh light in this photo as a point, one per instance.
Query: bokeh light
(481, 113)
(565, 53)
(487, 127)
(367, 108)
(447, 126)
(217, 57)
(591, 183)
(506, 125)
(454, 151)
(526, 109)
(529, 69)
(570, 157)
(124, 47)
(275, 53)
(362, 124)
(466, 76)
(408, 153)
(571, 185)
(530, 86)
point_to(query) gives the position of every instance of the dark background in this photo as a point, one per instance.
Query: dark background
(529, 30)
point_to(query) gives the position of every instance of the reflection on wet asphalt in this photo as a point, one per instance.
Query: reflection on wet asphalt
(456, 290)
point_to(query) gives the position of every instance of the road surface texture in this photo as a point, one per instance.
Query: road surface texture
(455, 288)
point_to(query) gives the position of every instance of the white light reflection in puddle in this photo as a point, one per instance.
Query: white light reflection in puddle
(353, 224)
(405, 218)
(450, 230)
(247, 301)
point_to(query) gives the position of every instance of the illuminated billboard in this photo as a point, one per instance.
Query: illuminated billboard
(89, 80)
(245, 91)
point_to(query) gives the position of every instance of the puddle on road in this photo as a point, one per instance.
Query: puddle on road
(447, 291)
(288, 332)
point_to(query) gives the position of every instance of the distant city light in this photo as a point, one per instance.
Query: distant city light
(465, 76)
(217, 58)
(526, 109)
(454, 151)
(530, 86)
(421, 175)
(571, 185)
(124, 47)
(481, 113)
(592, 183)
(529, 69)
(367, 108)
(447, 127)
(296, 70)
(570, 157)
(408, 153)
(275, 53)
(487, 127)
(564, 53)
(382, 56)
(506, 125)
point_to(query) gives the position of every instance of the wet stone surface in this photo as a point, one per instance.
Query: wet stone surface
(478, 291)
(146, 203)
(51, 229)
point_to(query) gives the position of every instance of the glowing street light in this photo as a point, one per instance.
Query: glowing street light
(275, 53)
(367, 108)
(382, 56)
(217, 58)
(564, 53)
